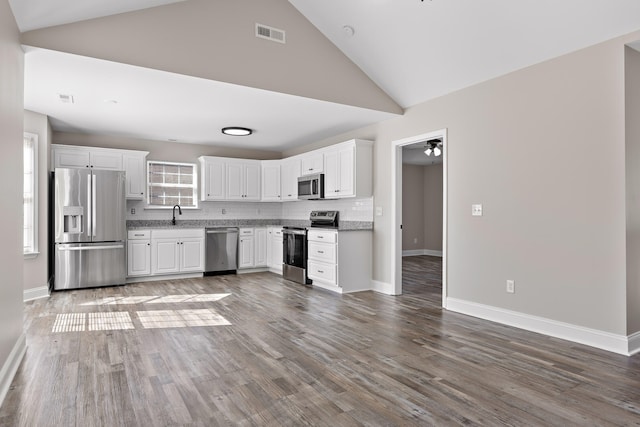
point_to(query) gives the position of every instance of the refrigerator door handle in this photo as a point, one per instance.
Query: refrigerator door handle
(89, 208)
(88, 248)
(93, 205)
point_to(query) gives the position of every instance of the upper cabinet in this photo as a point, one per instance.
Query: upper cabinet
(312, 162)
(86, 157)
(271, 173)
(243, 180)
(289, 173)
(348, 169)
(213, 178)
(134, 166)
(224, 178)
(130, 161)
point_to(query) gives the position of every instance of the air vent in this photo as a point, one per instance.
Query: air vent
(270, 33)
(65, 98)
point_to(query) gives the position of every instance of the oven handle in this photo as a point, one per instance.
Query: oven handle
(301, 232)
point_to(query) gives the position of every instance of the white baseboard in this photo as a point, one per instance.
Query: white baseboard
(252, 270)
(634, 343)
(36, 293)
(579, 334)
(11, 365)
(417, 252)
(382, 287)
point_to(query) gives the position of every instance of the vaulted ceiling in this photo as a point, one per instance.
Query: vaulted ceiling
(182, 70)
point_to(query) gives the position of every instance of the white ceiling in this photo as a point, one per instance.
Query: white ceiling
(417, 50)
(158, 105)
(413, 50)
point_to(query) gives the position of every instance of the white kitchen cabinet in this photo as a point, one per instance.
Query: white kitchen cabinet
(246, 248)
(252, 248)
(348, 170)
(138, 253)
(289, 173)
(260, 247)
(243, 180)
(134, 166)
(274, 249)
(271, 190)
(312, 162)
(213, 178)
(66, 156)
(176, 251)
(339, 261)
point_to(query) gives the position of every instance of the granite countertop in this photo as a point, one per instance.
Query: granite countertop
(134, 224)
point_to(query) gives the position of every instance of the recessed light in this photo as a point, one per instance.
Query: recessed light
(236, 131)
(348, 30)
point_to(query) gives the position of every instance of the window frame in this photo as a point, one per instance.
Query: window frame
(33, 139)
(194, 186)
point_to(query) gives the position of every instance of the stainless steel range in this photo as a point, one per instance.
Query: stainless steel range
(294, 266)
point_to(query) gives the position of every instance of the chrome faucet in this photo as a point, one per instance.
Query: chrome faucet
(173, 221)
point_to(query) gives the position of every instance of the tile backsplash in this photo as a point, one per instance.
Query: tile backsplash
(350, 210)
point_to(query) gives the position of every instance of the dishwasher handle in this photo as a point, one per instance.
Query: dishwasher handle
(223, 231)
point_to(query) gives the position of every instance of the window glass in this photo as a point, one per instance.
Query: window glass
(172, 184)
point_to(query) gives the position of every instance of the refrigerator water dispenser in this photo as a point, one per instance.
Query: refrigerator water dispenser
(73, 219)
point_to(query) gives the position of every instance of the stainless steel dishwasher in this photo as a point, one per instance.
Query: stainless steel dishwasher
(221, 251)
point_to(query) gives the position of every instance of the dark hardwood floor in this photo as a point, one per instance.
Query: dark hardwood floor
(255, 349)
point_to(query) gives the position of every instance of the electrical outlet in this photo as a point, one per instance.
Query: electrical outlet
(224, 211)
(511, 286)
(378, 210)
(415, 240)
(133, 211)
(476, 210)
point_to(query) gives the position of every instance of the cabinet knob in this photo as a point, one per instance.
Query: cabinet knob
(148, 244)
(141, 194)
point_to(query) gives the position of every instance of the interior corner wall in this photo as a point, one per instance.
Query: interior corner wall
(11, 172)
(36, 272)
(432, 177)
(413, 204)
(632, 171)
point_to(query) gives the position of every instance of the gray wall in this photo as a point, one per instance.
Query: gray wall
(36, 272)
(632, 156)
(432, 178)
(422, 207)
(529, 146)
(11, 120)
(412, 207)
(161, 150)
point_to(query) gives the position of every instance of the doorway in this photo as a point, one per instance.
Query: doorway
(421, 141)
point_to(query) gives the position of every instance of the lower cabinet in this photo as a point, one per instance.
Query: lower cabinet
(138, 253)
(177, 251)
(274, 249)
(252, 248)
(339, 261)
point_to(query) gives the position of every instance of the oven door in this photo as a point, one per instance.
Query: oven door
(294, 255)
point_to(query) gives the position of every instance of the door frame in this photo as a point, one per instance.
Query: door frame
(396, 213)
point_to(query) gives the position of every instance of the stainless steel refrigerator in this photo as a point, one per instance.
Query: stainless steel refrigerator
(90, 228)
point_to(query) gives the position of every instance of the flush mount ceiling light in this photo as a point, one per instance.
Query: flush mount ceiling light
(434, 146)
(236, 131)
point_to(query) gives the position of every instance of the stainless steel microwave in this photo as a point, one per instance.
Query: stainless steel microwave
(311, 187)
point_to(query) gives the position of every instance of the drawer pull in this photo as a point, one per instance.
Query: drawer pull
(320, 237)
(320, 252)
(320, 271)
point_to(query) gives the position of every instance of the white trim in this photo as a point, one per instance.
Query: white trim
(35, 217)
(567, 331)
(396, 213)
(418, 252)
(36, 293)
(633, 341)
(382, 287)
(11, 365)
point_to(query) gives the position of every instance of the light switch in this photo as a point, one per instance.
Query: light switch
(378, 210)
(476, 210)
